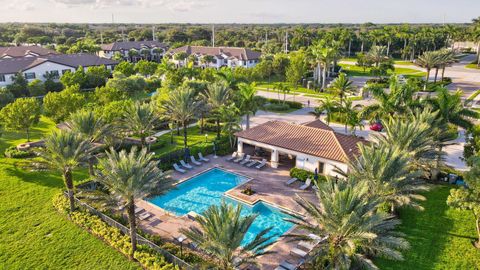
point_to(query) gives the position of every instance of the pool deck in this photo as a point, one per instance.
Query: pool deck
(269, 185)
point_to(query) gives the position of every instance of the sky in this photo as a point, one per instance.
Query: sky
(240, 11)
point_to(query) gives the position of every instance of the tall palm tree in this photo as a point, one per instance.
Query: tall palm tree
(342, 86)
(182, 107)
(221, 231)
(354, 230)
(248, 103)
(139, 119)
(329, 106)
(91, 128)
(451, 109)
(282, 87)
(428, 60)
(377, 55)
(130, 176)
(324, 55)
(231, 121)
(217, 94)
(65, 151)
(416, 135)
(385, 169)
(351, 114)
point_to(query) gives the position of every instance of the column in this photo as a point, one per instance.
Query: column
(240, 146)
(274, 159)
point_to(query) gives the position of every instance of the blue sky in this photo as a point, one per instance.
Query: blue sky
(240, 11)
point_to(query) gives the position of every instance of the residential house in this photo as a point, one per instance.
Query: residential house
(310, 146)
(135, 50)
(220, 56)
(56, 64)
(24, 51)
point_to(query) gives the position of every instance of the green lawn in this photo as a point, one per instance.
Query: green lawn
(268, 87)
(473, 66)
(193, 137)
(440, 237)
(32, 234)
(354, 70)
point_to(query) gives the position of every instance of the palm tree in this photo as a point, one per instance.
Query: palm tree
(416, 135)
(207, 59)
(377, 55)
(221, 231)
(139, 119)
(324, 55)
(182, 107)
(451, 109)
(132, 54)
(386, 170)
(328, 106)
(282, 87)
(130, 177)
(248, 103)
(347, 215)
(231, 121)
(91, 128)
(342, 86)
(351, 115)
(428, 60)
(217, 94)
(65, 151)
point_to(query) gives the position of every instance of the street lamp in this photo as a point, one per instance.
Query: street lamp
(206, 137)
(181, 239)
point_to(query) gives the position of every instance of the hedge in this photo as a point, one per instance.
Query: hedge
(13, 152)
(291, 104)
(302, 175)
(148, 258)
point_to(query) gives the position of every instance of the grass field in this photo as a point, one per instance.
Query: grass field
(32, 234)
(193, 137)
(268, 87)
(354, 70)
(440, 237)
(472, 66)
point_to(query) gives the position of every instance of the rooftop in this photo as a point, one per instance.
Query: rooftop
(239, 53)
(21, 51)
(14, 65)
(128, 45)
(312, 139)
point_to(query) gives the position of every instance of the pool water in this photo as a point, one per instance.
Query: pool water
(208, 188)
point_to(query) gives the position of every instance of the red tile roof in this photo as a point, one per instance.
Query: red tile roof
(313, 141)
(318, 124)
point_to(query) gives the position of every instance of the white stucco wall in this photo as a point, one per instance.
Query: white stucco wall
(303, 161)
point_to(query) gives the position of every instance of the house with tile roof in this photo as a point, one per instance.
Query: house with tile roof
(134, 51)
(221, 56)
(24, 51)
(313, 145)
(56, 64)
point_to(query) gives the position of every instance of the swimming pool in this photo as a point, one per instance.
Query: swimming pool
(208, 188)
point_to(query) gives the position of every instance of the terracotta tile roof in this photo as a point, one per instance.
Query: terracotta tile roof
(137, 45)
(20, 51)
(318, 124)
(238, 53)
(305, 139)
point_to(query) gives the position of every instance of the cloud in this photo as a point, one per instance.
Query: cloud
(21, 5)
(185, 6)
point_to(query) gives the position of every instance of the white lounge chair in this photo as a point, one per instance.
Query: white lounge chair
(186, 165)
(298, 252)
(201, 158)
(138, 210)
(307, 245)
(291, 181)
(247, 159)
(194, 161)
(307, 184)
(262, 164)
(144, 216)
(240, 157)
(177, 168)
(251, 163)
(286, 265)
(234, 155)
